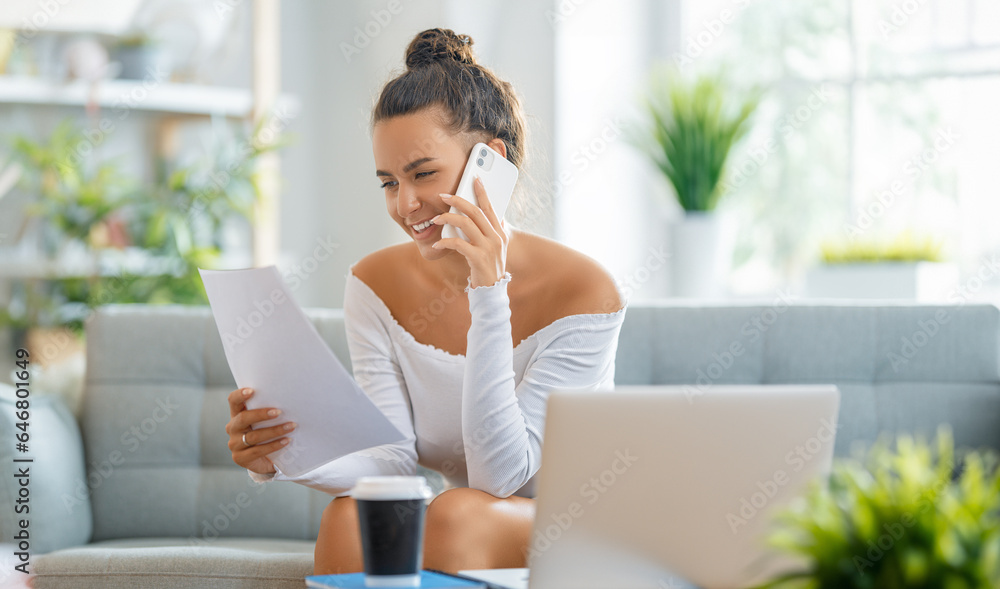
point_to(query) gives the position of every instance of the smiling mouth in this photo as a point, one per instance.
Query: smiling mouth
(422, 227)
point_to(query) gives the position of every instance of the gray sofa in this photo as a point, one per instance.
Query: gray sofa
(144, 493)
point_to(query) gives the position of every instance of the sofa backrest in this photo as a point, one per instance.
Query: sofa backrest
(900, 368)
(154, 408)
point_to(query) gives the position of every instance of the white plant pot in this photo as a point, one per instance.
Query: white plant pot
(917, 281)
(701, 248)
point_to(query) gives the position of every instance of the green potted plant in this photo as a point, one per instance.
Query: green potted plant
(141, 56)
(142, 242)
(694, 124)
(899, 519)
(904, 266)
(74, 215)
(75, 201)
(182, 215)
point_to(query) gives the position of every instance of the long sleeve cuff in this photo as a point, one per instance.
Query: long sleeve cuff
(262, 478)
(496, 286)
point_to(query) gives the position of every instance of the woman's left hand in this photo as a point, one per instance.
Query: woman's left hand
(486, 250)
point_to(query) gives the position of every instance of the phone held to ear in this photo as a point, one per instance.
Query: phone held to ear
(498, 176)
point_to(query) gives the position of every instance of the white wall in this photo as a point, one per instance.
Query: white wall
(610, 204)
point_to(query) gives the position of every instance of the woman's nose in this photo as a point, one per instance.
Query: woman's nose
(407, 202)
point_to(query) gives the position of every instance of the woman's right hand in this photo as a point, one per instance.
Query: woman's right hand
(252, 455)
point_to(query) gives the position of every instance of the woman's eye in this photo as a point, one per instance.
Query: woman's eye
(422, 174)
(387, 184)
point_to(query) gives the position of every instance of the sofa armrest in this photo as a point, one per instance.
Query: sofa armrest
(57, 506)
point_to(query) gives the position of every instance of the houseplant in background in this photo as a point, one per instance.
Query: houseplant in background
(694, 123)
(73, 215)
(183, 216)
(905, 266)
(899, 519)
(107, 238)
(141, 56)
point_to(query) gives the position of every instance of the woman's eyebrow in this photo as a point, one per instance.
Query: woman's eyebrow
(408, 166)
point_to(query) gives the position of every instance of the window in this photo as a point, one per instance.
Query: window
(881, 116)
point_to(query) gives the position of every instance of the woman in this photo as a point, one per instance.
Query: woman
(431, 326)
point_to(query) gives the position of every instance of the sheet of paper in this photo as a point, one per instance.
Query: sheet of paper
(273, 348)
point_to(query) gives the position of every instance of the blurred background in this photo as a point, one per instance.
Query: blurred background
(710, 149)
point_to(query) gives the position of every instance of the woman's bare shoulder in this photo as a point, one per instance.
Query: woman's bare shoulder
(381, 268)
(583, 284)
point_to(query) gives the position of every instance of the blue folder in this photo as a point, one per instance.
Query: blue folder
(428, 580)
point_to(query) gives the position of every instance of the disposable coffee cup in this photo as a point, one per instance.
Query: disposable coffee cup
(391, 515)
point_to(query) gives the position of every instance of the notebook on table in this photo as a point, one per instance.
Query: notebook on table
(428, 580)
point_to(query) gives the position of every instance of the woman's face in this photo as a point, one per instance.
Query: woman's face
(417, 159)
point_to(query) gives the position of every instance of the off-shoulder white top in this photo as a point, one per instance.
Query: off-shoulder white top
(479, 418)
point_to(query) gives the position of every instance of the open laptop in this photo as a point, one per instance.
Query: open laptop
(660, 487)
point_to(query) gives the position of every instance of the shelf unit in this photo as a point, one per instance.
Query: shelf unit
(159, 97)
(172, 104)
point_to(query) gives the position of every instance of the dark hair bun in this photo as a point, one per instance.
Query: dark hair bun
(439, 45)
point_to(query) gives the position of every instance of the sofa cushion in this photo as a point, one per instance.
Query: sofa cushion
(178, 563)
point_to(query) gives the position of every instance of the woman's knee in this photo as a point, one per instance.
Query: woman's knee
(341, 512)
(452, 531)
(468, 528)
(453, 510)
(338, 547)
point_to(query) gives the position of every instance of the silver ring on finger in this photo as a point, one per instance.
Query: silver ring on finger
(245, 442)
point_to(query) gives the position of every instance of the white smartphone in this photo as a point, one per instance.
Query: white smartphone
(498, 176)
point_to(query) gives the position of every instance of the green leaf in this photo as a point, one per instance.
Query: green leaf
(693, 127)
(175, 216)
(898, 519)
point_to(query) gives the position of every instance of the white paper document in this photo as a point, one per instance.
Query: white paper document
(273, 348)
